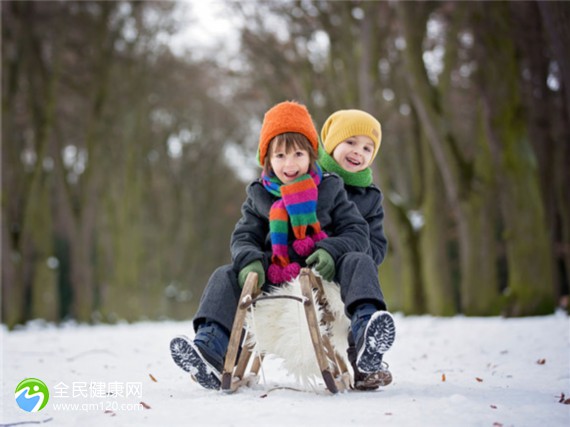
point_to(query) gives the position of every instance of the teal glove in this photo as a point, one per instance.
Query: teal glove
(323, 263)
(256, 267)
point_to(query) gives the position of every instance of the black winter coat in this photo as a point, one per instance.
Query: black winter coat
(368, 200)
(339, 218)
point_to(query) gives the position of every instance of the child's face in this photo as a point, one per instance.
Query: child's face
(291, 165)
(354, 154)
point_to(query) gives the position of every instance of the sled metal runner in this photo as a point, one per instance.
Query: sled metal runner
(332, 367)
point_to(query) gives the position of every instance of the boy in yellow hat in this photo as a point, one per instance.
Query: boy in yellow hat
(350, 142)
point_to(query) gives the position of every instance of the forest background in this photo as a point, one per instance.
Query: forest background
(124, 159)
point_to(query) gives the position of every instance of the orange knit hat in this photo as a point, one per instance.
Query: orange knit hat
(288, 116)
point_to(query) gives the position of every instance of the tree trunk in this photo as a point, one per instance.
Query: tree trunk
(456, 172)
(44, 301)
(34, 242)
(12, 289)
(440, 292)
(406, 252)
(82, 241)
(556, 21)
(530, 288)
(530, 278)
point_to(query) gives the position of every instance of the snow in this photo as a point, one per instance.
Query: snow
(455, 371)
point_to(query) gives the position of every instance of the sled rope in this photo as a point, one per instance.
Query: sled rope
(282, 388)
(266, 297)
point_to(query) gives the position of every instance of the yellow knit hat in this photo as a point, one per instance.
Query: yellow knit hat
(343, 124)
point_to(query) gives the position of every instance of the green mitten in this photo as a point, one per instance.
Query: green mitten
(256, 267)
(323, 263)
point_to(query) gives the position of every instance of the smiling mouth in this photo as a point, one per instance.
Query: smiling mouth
(290, 175)
(353, 162)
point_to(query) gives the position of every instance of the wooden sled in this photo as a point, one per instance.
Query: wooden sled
(331, 365)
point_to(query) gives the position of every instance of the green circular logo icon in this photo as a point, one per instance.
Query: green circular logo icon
(32, 395)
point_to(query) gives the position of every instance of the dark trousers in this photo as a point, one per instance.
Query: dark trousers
(220, 298)
(356, 273)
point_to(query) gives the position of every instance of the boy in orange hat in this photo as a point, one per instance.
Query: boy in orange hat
(351, 140)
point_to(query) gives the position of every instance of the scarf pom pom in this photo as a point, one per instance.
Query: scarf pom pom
(304, 247)
(291, 271)
(275, 274)
(321, 235)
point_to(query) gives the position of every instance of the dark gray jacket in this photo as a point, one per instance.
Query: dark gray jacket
(339, 218)
(368, 200)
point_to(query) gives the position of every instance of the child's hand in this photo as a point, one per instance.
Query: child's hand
(256, 267)
(323, 263)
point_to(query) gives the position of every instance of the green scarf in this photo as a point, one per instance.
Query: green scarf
(356, 179)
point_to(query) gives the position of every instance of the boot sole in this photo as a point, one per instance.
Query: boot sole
(373, 381)
(379, 336)
(188, 357)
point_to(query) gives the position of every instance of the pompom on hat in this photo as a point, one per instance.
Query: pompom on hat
(288, 116)
(343, 124)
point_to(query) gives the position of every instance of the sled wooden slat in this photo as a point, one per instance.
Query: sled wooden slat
(243, 360)
(344, 373)
(246, 378)
(314, 330)
(256, 365)
(340, 370)
(236, 335)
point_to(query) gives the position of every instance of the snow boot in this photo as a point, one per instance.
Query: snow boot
(203, 358)
(367, 382)
(374, 333)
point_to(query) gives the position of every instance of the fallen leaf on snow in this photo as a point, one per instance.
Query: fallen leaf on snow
(110, 412)
(146, 406)
(480, 380)
(497, 424)
(541, 361)
(152, 378)
(567, 402)
(443, 377)
(561, 398)
(494, 406)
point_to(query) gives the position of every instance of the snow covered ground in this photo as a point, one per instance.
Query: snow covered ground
(447, 372)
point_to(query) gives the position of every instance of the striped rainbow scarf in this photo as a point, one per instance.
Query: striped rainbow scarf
(298, 206)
